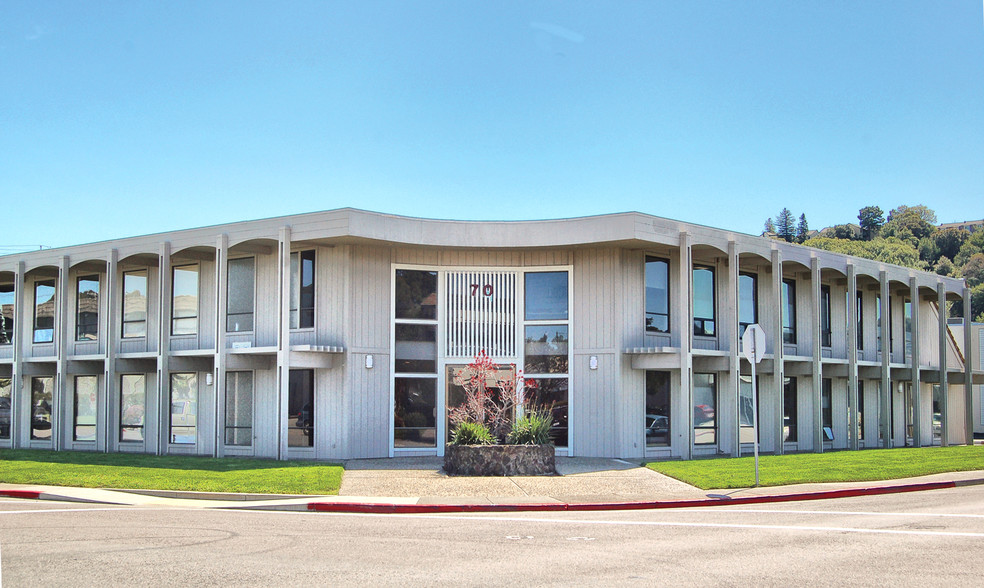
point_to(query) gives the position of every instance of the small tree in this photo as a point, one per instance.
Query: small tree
(490, 398)
(785, 225)
(973, 270)
(770, 227)
(871, 219)
(802, 229)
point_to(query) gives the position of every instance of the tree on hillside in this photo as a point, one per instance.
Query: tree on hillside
(888, 250)
(910, 223)
(802, 229)
(949, 241)
(770, 227)
(785, 225)
(973, 270)
(974, 244)
(872, 219)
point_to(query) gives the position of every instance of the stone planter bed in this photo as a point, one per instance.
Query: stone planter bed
(499, 460)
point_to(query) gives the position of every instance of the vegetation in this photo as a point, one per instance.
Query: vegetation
(471, 434)
(151, 472)
(533, 428)
(839, 466)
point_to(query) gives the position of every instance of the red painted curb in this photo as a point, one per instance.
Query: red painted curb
(29, 494)
(385, 508)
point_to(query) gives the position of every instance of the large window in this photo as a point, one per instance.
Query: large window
(415, 359)
(184, 408)
(789, 311)
(878, 324)
(6, 314)
(826, 333)
(133, 394)
(184, 300)
(41, 390)
(826, 414)
(860, 431)
(860, 321)
(84, 408)
(546, 347)
(546, 296)
(240, 295)
(657, 409)
(747, 301)
(302, 289)
(300, 409)
(239, 408)
(5, 407)
(907, 311)
(44, 311)
(135, 304)
(657, 295)
(704, 316)
(87, 308)
(705, 405)
(746, 410)
(789, 414)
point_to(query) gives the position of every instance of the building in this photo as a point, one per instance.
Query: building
(970, 226)
(337, 335)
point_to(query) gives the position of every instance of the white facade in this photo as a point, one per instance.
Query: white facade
(334, 335)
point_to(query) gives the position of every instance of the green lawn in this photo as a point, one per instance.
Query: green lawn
(151, 472)
(840, 466)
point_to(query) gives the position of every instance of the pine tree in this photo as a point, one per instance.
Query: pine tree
(770, 227)
(785, 225)
(802, 229)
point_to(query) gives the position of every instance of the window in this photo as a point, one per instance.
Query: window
(184, 300)
(826, 415)
(546, 348)
(41, 389)
(87, 308)
(415, 359)
(44, 311)
(415, 348)
(300, 409)
(240, 295)
(657, 409)
(860, 410)
(789, 413)
(302, 289)
(878, 323)
(184, 408)
(6, 314)
(860, 322)
(826, 332)
(84, 408)
(705, 404)
(907, 310)
(133, 393)
(239, 408)
(789, 312)
(703, 278)
(5, 406)
(135, 304)
(657, 295)
(546, 296)
(416, 294)
(747, 301)
(747, 412)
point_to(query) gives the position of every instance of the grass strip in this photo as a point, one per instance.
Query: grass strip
(837, 466)
(168, 472)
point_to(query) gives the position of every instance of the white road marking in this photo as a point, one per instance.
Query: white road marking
(56, 510)
(846, 512)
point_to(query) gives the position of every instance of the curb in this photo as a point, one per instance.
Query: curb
(26, 494)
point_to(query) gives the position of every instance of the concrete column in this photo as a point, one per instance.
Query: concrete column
(219, 362)
(163, 347)
(112, 337)
(777, 345)
(817, 359)
(730, 396)
(944, 392)
(885, 397)
(969, 362)
(17, 369)
(283, 341)
(914, 365)
(59, 396)
(852, 356)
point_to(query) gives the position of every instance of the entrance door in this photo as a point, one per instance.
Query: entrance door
(465, 386)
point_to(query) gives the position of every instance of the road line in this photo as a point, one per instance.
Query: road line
(56, 510)
(845, 512)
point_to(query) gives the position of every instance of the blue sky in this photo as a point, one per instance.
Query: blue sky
(127, 118)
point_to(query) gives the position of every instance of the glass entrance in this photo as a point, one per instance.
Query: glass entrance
(466, 386)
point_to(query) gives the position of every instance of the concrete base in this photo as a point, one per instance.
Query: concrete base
(499, 460)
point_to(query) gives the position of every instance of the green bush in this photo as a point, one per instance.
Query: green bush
(471, 434)
(532, 429)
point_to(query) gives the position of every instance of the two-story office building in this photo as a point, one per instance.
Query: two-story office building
(337, 335)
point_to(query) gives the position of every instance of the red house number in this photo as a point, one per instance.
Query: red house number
(486, 289)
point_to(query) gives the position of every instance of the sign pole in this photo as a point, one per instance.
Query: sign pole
(753, 348)
(755, 429)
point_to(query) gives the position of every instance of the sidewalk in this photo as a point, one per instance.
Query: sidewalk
(415, 485)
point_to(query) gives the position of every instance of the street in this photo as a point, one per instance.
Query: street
(924, 538)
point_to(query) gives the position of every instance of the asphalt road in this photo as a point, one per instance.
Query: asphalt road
(925, 538)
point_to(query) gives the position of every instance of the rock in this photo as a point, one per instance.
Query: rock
(499, 460)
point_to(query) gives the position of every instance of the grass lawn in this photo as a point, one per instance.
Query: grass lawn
(839, 466)
(151, 472)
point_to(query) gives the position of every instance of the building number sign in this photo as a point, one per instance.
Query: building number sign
(486, 289)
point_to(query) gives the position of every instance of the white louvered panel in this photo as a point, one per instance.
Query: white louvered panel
(481, 314)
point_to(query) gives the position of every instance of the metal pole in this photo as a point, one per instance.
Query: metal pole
(755, 431)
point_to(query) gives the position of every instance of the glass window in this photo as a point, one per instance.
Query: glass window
(415, 413)
(41, 389)
(878, 324)
(44, 311)
(6, 314)
(5, 406)
(657, 295)
(546, 349)
(747, 301)
(184, 300)
(135, 304)
(705, 404)
(546, 296)
(416, 348)
(552, 394)
(860, 321)
(789, 410)
(789, 311)
(826, 415)
(657, 409)
(300, 409)
(133, 392)
(85, 408)
(937, 413)
(826, 332)
(302, 289)
(184, 408)
(239, 408)
(239, 298)
(746, 413)
(416, 294)
(907, 310)
(87, 309)
(861, 410)
(704, 301)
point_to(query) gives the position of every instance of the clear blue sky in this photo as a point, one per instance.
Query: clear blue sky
(126, 118)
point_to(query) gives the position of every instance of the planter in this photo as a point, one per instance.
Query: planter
(499, 460)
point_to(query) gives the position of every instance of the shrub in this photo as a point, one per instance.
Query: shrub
(466, 433)
(533, 428)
